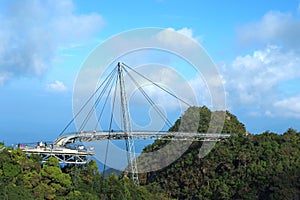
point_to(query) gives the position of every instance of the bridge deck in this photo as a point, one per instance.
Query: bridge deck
(76, 156)
(138, 135)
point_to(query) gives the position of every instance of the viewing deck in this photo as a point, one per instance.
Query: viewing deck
(64, 155)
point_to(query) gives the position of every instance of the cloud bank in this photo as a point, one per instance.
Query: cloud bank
(32, 31)
(265, 82)
(274, 28)
(254, 79)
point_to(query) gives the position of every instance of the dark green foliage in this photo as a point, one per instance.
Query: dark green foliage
(23, 177)
(198, 119)
(265, 166)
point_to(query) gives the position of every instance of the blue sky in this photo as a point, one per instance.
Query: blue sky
(255, 45)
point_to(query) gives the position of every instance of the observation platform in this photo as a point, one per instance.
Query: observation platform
(63, 154)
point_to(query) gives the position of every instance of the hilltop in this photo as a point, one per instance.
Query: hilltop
(263, 166)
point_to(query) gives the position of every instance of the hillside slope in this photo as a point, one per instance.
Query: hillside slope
(264, 166)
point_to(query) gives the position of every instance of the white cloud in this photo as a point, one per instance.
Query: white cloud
(186, 31)
(32, 31)
(4, 77)
(201, 91)
(168, 37)
(184, 44)
(289, 107)
(255, 80)
(274, 28)
(57, 86)
(265, 82)
(190, 33)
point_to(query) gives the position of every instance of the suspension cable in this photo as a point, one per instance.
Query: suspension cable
(150, 101)
(89, 99)
(96, 102)
(110, 125)
(105, 102)
(170, 93)
(107, 144)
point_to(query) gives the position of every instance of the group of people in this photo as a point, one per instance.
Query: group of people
(41, 144)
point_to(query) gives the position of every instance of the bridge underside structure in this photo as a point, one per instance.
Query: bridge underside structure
(64, 155)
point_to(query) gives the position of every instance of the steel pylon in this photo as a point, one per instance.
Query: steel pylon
(127, 128)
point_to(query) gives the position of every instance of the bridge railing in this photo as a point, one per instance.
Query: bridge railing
(88, 136)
